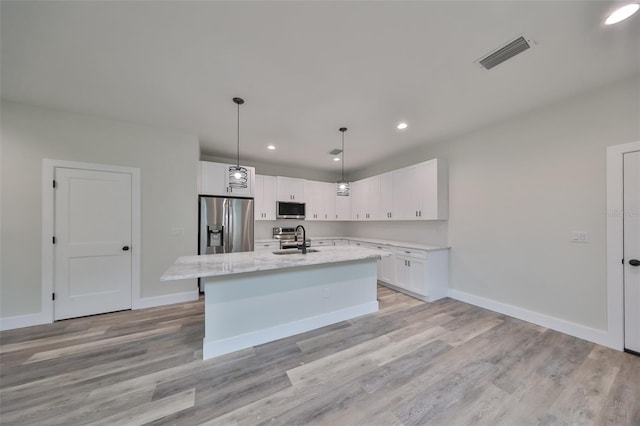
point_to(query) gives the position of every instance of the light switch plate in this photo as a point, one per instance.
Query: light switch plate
(579, 237)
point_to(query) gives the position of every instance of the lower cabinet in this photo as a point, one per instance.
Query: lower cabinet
(419, 273)
(317, 242)
(270, 246)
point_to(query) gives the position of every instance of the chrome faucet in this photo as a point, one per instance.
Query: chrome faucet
(302, 247)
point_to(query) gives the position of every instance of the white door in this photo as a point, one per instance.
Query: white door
(632, 251)
(92, 250)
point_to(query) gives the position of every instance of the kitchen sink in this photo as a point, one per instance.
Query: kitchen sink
(294, 251)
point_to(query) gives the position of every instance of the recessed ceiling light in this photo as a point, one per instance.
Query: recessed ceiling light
(622, 13)
(402, 126)
(271, 147)
(336, 158)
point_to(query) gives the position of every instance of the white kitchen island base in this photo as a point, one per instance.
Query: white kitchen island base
(248, 309)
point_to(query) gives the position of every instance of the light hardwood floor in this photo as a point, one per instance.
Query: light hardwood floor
(412, 363)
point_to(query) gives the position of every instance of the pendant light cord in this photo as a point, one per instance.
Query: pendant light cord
(342, 156)
(238, 150)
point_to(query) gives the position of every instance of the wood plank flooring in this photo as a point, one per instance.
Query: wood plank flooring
(412, 363)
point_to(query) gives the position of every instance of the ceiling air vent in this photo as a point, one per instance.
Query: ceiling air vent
(335, 151)
(517, 46)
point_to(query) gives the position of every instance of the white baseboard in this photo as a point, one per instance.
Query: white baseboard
(594, 335)
(20, 321)
(169, 299)
(213, 348)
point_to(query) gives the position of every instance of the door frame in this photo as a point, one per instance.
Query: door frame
(615, 247)
(48, 213)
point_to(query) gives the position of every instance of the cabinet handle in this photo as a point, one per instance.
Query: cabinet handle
(420, 213)
(409, 263)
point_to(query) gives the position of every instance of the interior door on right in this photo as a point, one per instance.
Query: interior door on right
(632, 251)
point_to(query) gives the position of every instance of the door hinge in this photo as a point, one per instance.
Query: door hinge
(53, 240)
(53, 296)
(54, 183)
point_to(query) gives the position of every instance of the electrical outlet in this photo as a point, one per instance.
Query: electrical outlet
(579, 237)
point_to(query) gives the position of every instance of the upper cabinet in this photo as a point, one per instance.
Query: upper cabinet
(290, 189)
(342, 205)
(265, 197)
(365, 194)
(418, 192)
(213, 179)
(320, 200)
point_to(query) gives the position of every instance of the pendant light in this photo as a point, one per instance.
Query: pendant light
(238, 175)
(342, 186)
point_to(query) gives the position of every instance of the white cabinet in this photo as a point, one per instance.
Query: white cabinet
(320, 200)
(411, 270)
(421, 191)
(321, 242)
(265, 197)
(213, 179)
(364, 204)
(290, 189)
(424, 274)
(342, 205)
(386, 205)
(420, 273)
(267, 246)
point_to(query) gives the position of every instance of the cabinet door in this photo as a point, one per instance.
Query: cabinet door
(290, 189)
(258, 202)
(416, 276)
(342, 205)
(402, 273)
(265, 197)
(358, 195)
(385, 198)
(387, 270)
(311, 208)
(372, 199)
(266, 246)
(327, 202)
(213, 179)
(269, 197)
(435, 190)
(297, 189)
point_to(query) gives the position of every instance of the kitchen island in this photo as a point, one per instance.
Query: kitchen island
(257, 297)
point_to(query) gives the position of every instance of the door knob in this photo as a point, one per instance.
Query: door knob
(125, 248)
(634, 262)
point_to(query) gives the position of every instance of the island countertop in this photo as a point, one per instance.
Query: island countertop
(252, 261)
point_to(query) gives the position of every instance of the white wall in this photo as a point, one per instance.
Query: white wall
(168, 164)
(517, 190)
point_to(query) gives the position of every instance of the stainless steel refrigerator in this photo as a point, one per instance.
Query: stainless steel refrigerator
(226, 226)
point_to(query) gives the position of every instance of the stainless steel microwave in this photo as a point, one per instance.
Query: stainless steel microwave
(289, 210)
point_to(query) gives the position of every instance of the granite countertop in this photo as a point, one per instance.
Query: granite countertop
(399, 244)
(405, 244)
(252, 261)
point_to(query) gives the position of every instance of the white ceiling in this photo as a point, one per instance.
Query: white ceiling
(307, 68)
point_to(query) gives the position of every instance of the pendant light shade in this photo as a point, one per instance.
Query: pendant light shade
(238, 176)
(342, 187)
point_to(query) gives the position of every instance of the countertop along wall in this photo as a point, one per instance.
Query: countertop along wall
(168, 168)
(517, 189)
